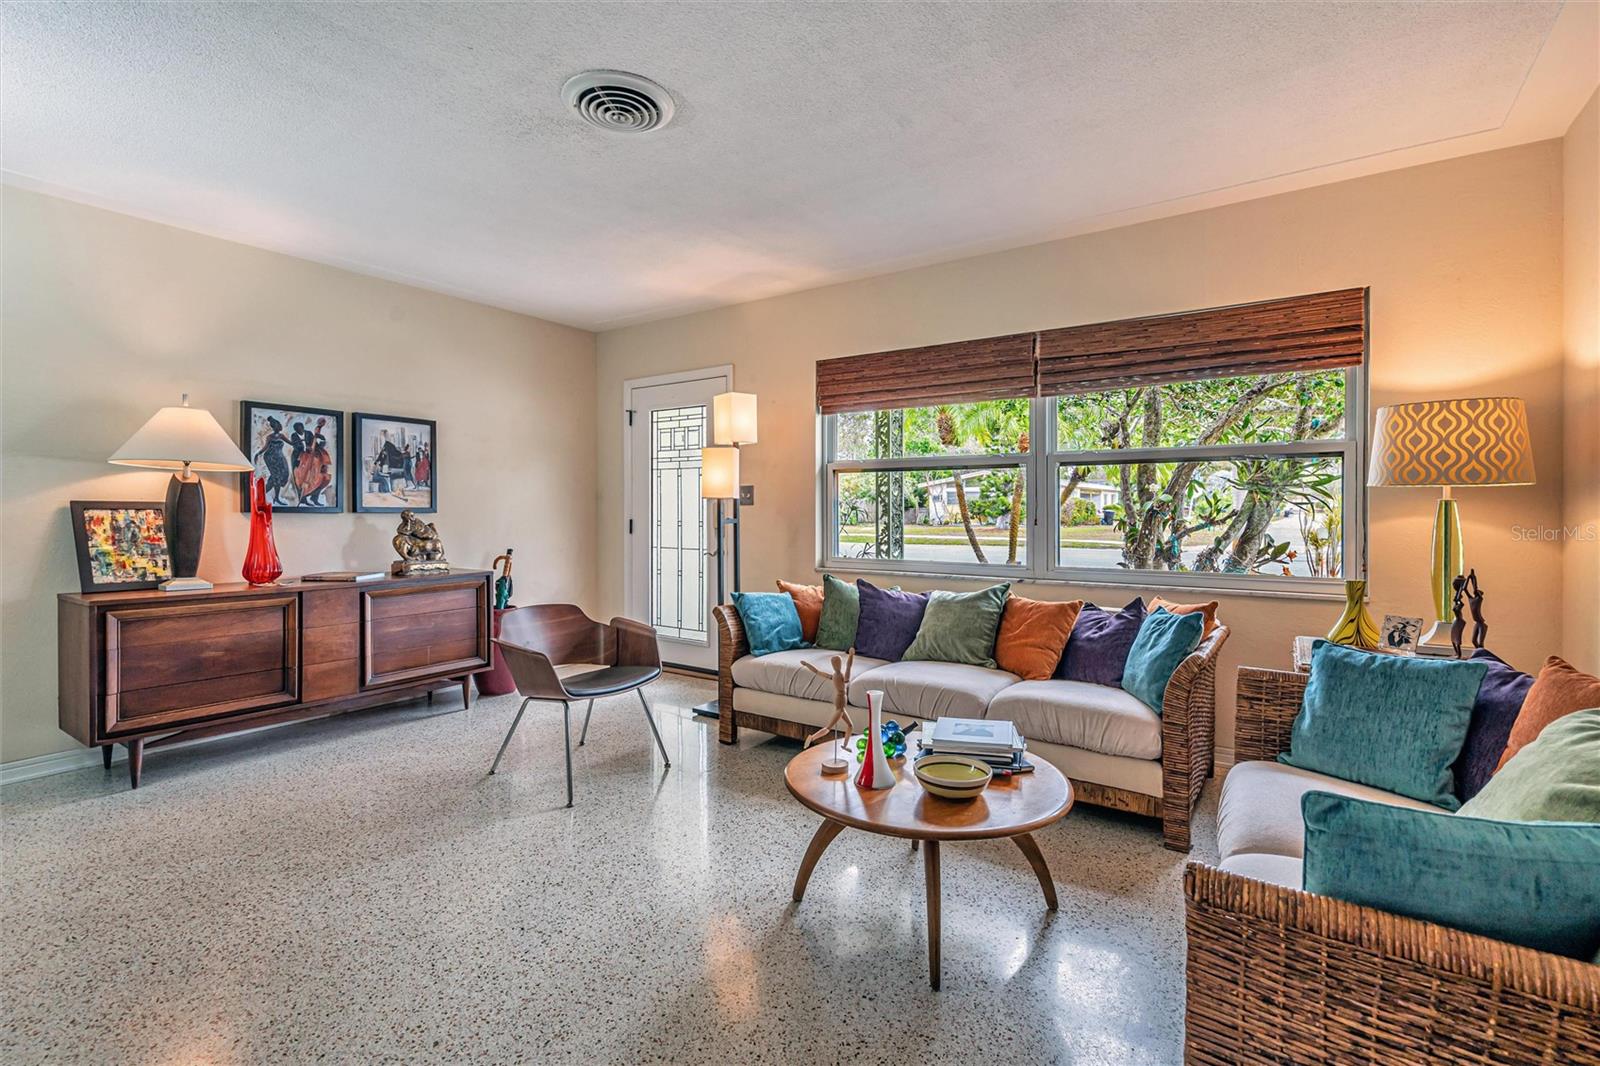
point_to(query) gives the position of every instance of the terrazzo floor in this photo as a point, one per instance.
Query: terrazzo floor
(358, 890)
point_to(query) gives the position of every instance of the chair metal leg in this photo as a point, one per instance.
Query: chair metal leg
(651, 719)
(566, 737)
(585, 734)
(509, 733)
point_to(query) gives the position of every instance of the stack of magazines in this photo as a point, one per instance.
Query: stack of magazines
(992, 741)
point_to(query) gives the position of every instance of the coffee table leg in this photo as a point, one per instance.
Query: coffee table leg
(1030, 848)
(930, 870)
(819, 843)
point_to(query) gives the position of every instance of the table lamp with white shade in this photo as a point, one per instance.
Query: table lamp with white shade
(187, 441)
(1450, 444)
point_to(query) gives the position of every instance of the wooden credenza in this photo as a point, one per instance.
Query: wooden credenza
(148, 668)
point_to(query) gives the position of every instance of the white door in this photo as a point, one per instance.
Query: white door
(670, 577)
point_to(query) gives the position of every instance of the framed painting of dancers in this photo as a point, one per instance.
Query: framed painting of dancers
(298, 452)
(394, 465)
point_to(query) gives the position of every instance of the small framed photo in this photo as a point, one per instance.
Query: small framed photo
(122, 545)
(1399, 634)
(298, 451)
(394, 463)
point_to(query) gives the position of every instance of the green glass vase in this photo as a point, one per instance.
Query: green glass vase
(1355, 628)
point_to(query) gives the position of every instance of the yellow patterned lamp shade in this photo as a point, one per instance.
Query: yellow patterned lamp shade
(1479, 441)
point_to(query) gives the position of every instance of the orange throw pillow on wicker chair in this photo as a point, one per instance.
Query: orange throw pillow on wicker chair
(1207, 611)
(808, 604)
(1033, 634)
(1560, 689)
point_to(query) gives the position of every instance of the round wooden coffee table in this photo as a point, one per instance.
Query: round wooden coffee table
(1011, 807)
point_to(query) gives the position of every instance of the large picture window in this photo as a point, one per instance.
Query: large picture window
(1252, 481)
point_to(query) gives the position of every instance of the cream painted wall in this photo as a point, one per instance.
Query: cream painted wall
(1581, 312)
(1464, 261)
(107, 318)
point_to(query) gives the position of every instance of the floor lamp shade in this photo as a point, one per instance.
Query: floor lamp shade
(185, 440)
(719, 473)
(1445, 444)
(733, 418)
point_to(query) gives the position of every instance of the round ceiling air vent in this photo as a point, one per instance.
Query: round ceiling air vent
(618, 101)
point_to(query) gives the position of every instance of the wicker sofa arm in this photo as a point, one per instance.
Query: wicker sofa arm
(1188, 736)
(1278, 976)
(1264, 710)
(731, 645)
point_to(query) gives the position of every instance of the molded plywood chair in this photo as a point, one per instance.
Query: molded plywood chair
(536, 640)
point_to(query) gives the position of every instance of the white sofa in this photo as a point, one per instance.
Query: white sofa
(1118, 752)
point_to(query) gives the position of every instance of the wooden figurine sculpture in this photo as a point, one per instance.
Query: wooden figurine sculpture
(419, 547)
(841, 703)
(1468, 593)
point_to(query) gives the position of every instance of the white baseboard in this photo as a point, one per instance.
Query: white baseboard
(1223, 761)
(57, 762)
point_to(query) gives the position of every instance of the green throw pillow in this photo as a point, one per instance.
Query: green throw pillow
(1389, 721)
(1554, 779)
(1165, 640)
(960, 627)
(841, 610)
(1531, 883)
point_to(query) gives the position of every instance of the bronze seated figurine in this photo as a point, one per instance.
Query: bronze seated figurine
(419, 547)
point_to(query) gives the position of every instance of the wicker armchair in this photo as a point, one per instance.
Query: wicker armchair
(1281, 976)
(1188, 729)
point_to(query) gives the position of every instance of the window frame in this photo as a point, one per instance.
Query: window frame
(1040, 468)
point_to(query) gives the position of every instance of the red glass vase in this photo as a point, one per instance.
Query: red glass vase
(261, 564)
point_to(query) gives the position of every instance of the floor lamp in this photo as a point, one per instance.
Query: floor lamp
(733, 424)
(1445, 444)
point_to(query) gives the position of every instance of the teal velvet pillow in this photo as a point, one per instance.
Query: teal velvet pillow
(1554, 779)
(771, 622)
(1389, 721)
(841, 610)
(1531, 883)
(1165, 640)
(960, 627)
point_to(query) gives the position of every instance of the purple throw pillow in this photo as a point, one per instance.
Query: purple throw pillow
(1493, 713)
(889, 621)
(1097, 650)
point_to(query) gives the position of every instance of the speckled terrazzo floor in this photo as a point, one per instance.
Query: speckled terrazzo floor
(357, 890)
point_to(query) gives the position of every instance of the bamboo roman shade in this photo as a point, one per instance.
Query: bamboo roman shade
(994, 368)
(1324, 331)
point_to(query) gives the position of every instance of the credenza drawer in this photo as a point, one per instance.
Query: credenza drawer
(185, 662)
(415, 631)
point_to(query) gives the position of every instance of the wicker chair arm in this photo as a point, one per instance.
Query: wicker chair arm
(1277, 975)
(731, 646)
(1264, 710)
(1188, 736)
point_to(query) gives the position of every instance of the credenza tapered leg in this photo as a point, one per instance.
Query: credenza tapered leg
(466, 693)
(105, 754)
(135, 761)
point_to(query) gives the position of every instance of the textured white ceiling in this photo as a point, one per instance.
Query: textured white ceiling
(812, 142)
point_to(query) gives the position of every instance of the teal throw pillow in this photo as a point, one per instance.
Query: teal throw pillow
(1531, 883)
(771, 622)
(841, 610)
(1165, 640)
(1554, 779)
(960, 627)
(1390, 721)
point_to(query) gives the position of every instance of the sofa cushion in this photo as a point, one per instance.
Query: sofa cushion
(841, 610)
(1033, 634)
(1389, 721)
(960, 627)
(1531, 883)
(1097, 651)
(1260, 808)
(783, 674)
(807, 604)
(1165, 640)
(1559, 690)
(1554, 779)
(1494, 712)
(1273, 869)
(1207, 610)
(770, 620)
(1081, 715)
(927, 690)
(889, 620)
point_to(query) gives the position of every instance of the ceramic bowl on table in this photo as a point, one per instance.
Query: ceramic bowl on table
(954, 776)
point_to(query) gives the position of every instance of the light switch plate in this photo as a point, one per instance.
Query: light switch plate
(747, 495)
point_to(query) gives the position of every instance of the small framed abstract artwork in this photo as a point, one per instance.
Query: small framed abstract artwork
(394, 463)
(296, 450)
(1399, 634)
(122, 545)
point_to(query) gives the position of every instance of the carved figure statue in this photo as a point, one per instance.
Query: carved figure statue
(1457, 628)
(419, 547)
(841, 695)
(1480, 628)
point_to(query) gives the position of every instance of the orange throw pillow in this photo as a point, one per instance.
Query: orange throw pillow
(1033, 634)
(808, 604)
(1559, 690)
(1207, 610)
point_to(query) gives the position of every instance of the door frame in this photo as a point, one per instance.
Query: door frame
(723, 371)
